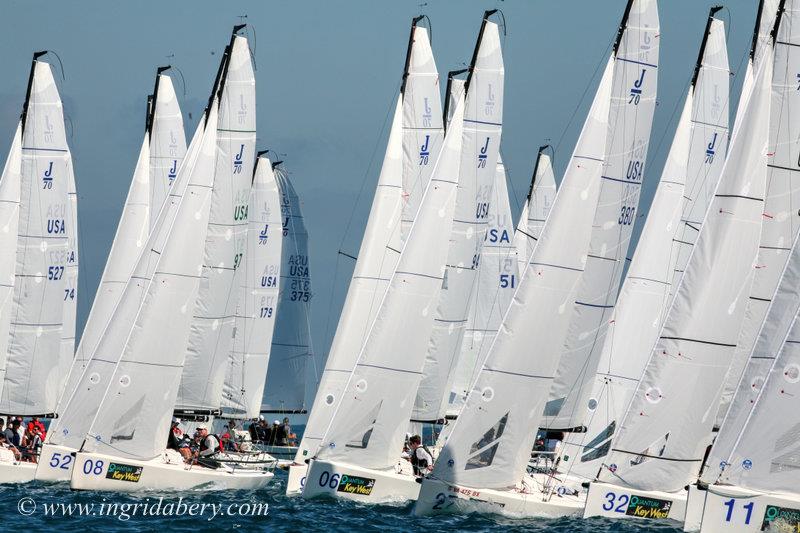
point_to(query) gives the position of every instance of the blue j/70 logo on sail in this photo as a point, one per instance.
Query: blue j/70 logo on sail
(483, 156)
(636, 90)
(427, 115)
(711, 150)
(237, 160)
(262, 237)
(47, 178)
(424, 151)
(173, 171)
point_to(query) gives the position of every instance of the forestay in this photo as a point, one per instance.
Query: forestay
(405, 162)
(32, 378)
(536, 208)
(258, 279)
(490, 444)
(211, 337)
(667, 426)
(483, 117)
(644, 298)
(630, 120)
(781, 217)
(9, 222)
(371, 416)
(495, 284)
(134, 415)
(292, 374)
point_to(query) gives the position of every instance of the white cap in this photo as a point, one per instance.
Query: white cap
(261, 417)
(176, 420)
(277, 422)
(202, 426)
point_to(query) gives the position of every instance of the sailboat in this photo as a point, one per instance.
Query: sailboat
(537, 206)
(415, 140)
(37, 341)
(359, 454)
(667, 427)
(677, 211)
(483, 122)
(636, 53)
(160, 156)
(482, 464)
(124, 449)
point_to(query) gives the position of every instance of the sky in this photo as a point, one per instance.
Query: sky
(327, 76)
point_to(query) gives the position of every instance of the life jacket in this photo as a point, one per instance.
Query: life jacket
(420, 465)
(203, 446)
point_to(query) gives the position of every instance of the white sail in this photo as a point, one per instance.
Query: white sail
(630, 120)
(422, 122)
(371, 416)
(167, 142)
(667, 427)
(413, 146)
(134, 415)
(644, 297)
(291, 373)
(32, 379)
(211, 337)
(483, 118)
(495, 284)
(780, 224)
(535, 210)
(490, 443)
(9, 222)
(259, 278)
(132, 246)
(377, 258)
(765, 455)
(71, 288)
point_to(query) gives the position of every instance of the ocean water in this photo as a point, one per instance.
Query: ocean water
(41, 507)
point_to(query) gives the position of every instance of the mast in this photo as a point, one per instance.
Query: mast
(713, 11)
(414, 22)
(536, 169)
(450, 75)
(622, 25)
(488, 13)
(24, 115)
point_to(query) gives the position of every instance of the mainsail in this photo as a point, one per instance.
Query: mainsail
(9, 223)
(536, 208)
(644, 298)
(483, 120)
(292, 374)
(490, 443)
(211, 337)
(258, 279)
(495, 284)
(382, 242)
(32, 378)
(667, 427)
(630, 120)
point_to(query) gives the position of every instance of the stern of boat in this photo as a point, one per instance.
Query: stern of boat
(615, 502)
(337, 480)
(55, 463)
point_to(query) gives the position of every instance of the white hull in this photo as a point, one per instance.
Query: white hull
(350, 482)
(14, 472)
(695, 503)
(55, 463)
(438, 497)
(615, 502)
(740, 510)
(297, 479)
(166, 472)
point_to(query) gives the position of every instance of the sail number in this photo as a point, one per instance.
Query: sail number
(328, 480)
(93, 467)
(619, 505)
(626, 215)
(61, 461)
(55, 273)
(730, 504)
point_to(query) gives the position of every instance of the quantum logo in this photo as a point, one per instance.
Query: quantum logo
(262, 237)
(237, 160)
(47, 177)
(711, 150)
(427, 114)
(482, 157)
(424, 151)
(636, 90)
